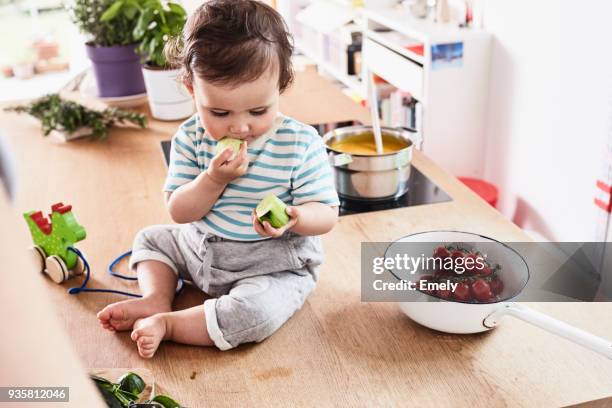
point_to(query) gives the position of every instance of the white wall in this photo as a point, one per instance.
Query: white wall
(548, 111)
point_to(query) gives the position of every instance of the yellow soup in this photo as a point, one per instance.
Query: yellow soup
(363, 143)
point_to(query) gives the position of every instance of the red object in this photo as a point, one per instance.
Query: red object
(61, 208)
(444, 293)
(462, 292)
(485, 190)
(441, 252)
(37, 217)
(481, 290)
(42, 222)
(378, 80)
(497, 286)
(456, 254)
(607, 207)
(417, 49)
(469, 14)
(604, 187)
(55, 206)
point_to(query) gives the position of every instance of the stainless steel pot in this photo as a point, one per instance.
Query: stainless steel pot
(370, 177)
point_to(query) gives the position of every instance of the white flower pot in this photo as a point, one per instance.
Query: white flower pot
(168, 99)
(65, 136)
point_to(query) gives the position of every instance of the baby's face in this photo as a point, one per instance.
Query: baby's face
(242, 112)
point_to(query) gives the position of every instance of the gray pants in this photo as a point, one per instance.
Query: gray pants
(256, 286)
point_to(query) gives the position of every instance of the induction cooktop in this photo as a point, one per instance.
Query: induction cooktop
(421, 190)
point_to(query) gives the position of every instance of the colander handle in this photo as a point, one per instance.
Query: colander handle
(543, 321)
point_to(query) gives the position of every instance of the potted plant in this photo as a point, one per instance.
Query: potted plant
(158, 22)
(111, 44)
(70, 120)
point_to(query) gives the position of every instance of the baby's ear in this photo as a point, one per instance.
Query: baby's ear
(189, 87)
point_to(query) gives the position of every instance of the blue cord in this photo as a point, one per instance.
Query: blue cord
(82, 288)
(115, 262)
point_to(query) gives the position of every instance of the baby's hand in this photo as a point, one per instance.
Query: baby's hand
(267, 230)
(223, 171)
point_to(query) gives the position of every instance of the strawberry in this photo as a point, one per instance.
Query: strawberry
(462, 292)
(457, 254)
(481, 290)
(444, 293)
(497, 286)
(486, 271)
(441, 252)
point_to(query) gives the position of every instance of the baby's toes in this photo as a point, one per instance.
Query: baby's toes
(145, 341)
(146, 353)
(119, 319)
(120, 324)
(107, 326)
(146, 346)
(103, 315)
(136, 333)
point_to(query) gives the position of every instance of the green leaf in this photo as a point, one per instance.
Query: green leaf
(99, 380)
(105, 388)
(177, 9)
(166, 401)
(153, 47)
(130, 11)
(135, 3)
(57, 114)
(111, 400)
(112, 11)
(142, 24)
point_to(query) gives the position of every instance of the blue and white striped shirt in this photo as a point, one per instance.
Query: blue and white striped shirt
(289, 161)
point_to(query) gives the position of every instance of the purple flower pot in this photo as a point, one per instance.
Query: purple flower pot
(117, 70)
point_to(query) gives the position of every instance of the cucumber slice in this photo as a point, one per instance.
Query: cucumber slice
(272, 209)
(228, 142)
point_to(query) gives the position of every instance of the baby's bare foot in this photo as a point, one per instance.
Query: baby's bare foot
(148, 333)
(122, 315)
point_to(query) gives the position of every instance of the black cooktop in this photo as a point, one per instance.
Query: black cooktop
(421, 190)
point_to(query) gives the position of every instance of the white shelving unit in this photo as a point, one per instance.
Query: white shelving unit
(453, 96)
(312, 26)
(350, 81)
(452, 92)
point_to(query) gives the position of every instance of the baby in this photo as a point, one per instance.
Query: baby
(235, 57)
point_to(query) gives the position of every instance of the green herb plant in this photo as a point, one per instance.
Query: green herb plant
(56, 113)
(158, 22)
(87, 15)
(125, 392)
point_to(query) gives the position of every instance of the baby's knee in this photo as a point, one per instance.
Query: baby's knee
(150, 233)
(232, 321)
(155, 243)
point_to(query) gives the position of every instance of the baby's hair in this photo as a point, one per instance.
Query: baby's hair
(231, 42)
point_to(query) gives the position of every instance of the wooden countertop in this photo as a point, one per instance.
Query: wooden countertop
(336, 350)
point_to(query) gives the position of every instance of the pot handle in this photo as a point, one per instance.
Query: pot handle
(418, 142)
(337, 160)
(552, 325)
